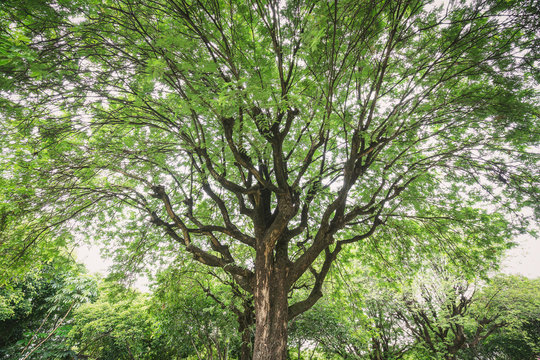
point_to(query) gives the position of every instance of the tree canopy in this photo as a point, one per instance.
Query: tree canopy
(263, 137)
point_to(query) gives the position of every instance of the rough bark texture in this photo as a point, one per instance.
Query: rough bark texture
(271, 307)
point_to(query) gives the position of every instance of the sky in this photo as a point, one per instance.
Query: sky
(523, 259)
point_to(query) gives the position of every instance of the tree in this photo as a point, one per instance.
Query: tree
(36, 311)
(514, 303)
(436, 312)
(389, 339)
(119, 325)
(433, 314)
(262, 137)
(452, 318)
(323, 329)
(357, 319)
(198, 315)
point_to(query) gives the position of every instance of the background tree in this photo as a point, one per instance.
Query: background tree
(264, 137)
(323, 332)
(357, 319)
(389, 339)
(37, 311)
(436, 310)
(514, 303)
(454, 318)
(199, 316)
(119, 325)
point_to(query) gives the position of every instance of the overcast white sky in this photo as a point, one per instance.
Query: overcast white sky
(524, 259)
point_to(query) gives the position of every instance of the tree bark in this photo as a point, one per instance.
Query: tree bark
(271, 307)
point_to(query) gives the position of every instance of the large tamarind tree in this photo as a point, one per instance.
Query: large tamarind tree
(263, 137)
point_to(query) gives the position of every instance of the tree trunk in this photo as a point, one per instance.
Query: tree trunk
(271, 307)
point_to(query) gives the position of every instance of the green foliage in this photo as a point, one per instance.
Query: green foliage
(258, 137)
(434, 313)
(118, 325)
(327, 331)
(195, 316)
(515, 302)
(356, 319)
(450, 118)
(37, 311)
(452, 318)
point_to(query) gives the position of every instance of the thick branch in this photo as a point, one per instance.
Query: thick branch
(316, 291)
